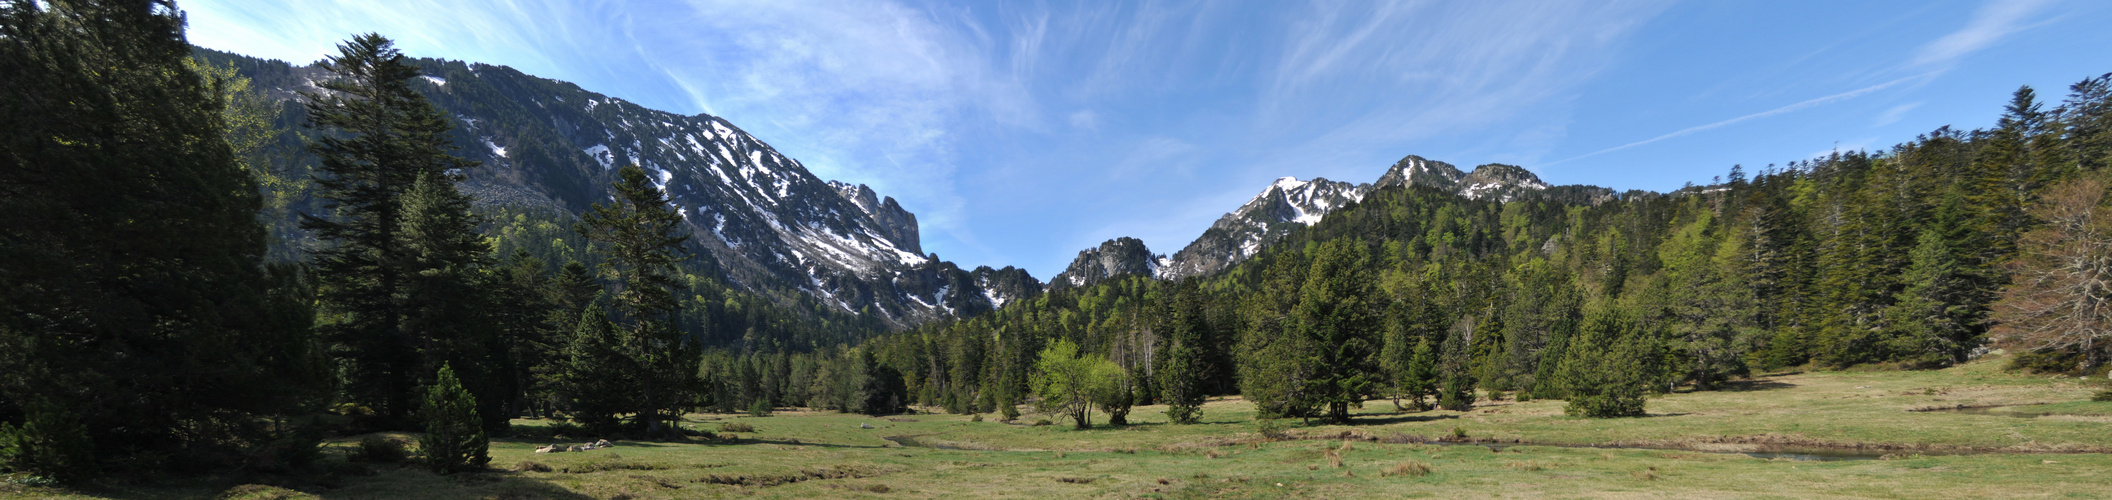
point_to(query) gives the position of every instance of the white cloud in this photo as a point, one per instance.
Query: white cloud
(1891, 116)
(1997, 19)
(1085, 119)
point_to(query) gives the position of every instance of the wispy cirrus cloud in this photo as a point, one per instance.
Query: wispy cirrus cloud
(1755, 116)
(1992, 22)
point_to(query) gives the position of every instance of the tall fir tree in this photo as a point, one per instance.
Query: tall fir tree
(598, 383)
(1455, 369)
(1335, 318)
(1181, 374)
(449, 308)
(642, 240)
(383, 138)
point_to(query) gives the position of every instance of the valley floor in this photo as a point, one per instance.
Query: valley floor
(1828, 434)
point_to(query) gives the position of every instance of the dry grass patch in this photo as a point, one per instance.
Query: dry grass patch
(1407, 468)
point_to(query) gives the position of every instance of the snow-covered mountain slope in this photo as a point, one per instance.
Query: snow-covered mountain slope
(1285, 205)
(767, 222)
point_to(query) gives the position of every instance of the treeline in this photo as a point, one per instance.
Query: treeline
(1916, 257)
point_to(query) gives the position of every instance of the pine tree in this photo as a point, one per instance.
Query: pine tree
(598, 381)
(1397, 353)
(448, 307)
(641, 237)
(454, 439)
(1941, 313)
(1274, 368)
(1608, 368)
(134, 298)
(386, 137)
(1455, 368)
(1421, 379)
(1181, 373)
(882, 391)
(1335, 315)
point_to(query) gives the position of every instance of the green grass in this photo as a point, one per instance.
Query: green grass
(796, 454)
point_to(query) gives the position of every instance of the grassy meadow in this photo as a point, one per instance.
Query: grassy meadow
(2019, 436)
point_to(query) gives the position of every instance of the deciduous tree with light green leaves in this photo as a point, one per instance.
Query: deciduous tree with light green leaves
(1070, 384)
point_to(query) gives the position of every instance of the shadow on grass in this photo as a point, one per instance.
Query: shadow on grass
(405, 482)
(1393, 419)
(1754, 385)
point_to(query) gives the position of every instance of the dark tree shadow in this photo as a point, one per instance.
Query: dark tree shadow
(1396, 419)
(1750, 385)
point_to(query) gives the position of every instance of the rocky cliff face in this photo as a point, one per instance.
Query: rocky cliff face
(1116, 257)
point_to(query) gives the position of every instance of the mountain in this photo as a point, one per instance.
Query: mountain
(764, 223)
(1284, 206)
(761, 218)
(1116, 257)
(1289, 204)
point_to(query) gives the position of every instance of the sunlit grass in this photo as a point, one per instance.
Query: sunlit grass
(802, 454)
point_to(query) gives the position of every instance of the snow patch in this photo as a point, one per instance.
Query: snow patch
(600, 153)
(496, 150)
(436, 80)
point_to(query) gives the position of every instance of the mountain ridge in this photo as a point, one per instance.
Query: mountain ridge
(1288, 204)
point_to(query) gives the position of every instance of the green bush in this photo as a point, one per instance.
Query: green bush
(1268, 428)
(2066, 361)
(50, 445)
(454, 437)
(2102, 396)
(379, 450)
(760, 408)
(736, 427)
(298, 449)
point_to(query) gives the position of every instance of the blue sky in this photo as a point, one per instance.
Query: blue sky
(1022, 132)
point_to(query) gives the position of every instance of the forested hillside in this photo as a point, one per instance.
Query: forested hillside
(1920, 256)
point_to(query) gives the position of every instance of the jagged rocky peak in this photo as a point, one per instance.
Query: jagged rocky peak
(1284, 205)
(1418, 171)
(896, 223)
(1003, 286)
(1292, 200)
(1504, 182)
(1113, 258)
